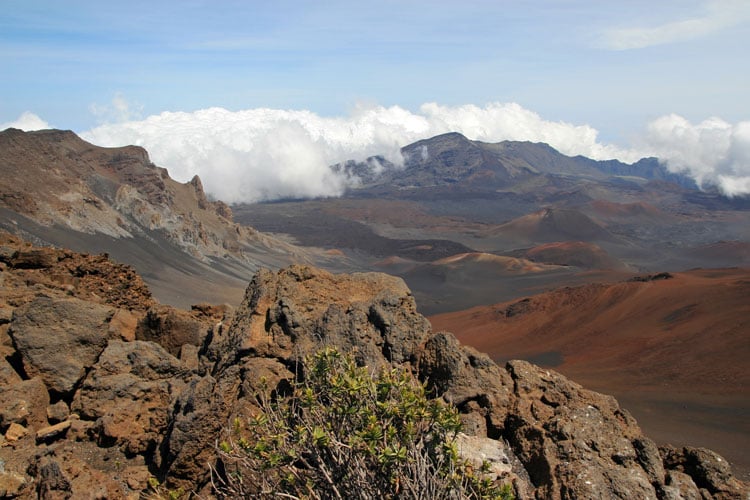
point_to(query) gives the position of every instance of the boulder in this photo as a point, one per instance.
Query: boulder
(35, 258)
(576, 443)
(52, 432)
(52, 482)
(287, 314)
(8, 375)
(58, 412)
(16, 432)
(172, 328)
(197, 418)
(58, 339)
(709, 471)
(680, 486)
(123, 325)
(11, 484)
(129, 392)
(468, 379)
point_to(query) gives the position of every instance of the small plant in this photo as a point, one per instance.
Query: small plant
(344, 433)
(159, 492)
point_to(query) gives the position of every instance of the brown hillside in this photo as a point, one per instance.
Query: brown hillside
(674, 350)
(573, 253)
(554, 224)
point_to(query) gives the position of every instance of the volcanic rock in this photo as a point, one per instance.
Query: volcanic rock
(371, 315)
(576, 443)
(172, 328)
(52, 431)
(711, 473)
(468, 379)
(24, 402)
(59, 339)
(129, 391)
(103, 412)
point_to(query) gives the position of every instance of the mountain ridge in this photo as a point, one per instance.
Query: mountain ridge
(56, 188)
(499, 163)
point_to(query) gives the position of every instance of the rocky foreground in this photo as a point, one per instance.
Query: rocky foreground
(104, 393)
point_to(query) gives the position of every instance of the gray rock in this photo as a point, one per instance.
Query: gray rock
(53, 484)
(468, 379)
(577, 443)
(680, 486)
(58, 339)
(200, 413)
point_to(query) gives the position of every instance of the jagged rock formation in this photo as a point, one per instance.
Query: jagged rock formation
(116, 406)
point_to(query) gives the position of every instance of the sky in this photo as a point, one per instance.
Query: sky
(258, 98)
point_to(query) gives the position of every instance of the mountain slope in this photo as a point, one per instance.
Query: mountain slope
(57, 189)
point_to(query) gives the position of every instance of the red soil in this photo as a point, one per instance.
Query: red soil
(674, 351)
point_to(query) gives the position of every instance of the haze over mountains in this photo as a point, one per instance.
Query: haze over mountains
(464, 223)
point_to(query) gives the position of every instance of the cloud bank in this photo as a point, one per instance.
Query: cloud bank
(262, 154)
(28, 121)
(713, 152)
(265, 154)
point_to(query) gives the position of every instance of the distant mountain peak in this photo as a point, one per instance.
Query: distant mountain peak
(452, 159)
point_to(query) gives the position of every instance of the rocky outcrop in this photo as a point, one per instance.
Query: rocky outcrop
(29, 271)
(700, 473)
(105, 408)
(289, 313)
(576, 443)
(83, 404)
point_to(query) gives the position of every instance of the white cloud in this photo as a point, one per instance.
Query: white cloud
(261, 154)
(28, 121)
(510, 121)
(718, 15)
(714, 152)
(269, 153)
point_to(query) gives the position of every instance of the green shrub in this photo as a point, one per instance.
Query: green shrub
(343, 433)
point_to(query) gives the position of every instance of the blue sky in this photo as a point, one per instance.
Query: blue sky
(614, 67)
